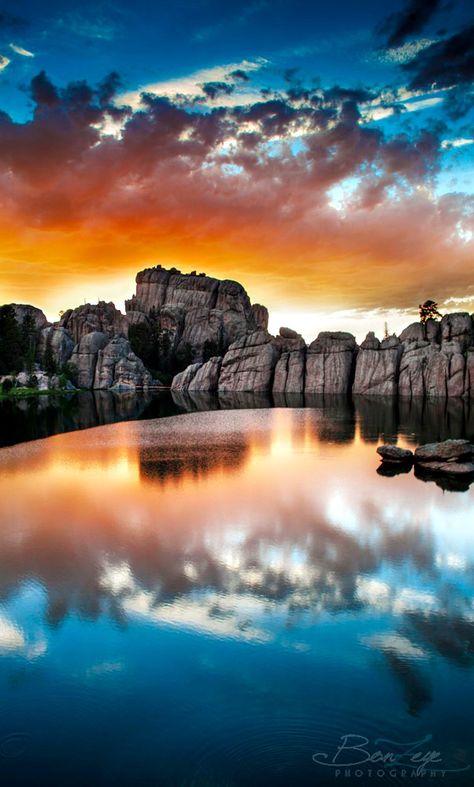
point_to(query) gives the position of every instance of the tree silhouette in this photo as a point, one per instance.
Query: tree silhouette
(11, 342)
(428, 311)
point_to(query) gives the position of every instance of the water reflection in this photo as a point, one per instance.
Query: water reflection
(253, 527)
(378, 418)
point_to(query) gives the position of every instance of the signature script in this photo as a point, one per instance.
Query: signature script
(356, 750)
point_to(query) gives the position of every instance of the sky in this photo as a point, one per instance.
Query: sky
(322, 154)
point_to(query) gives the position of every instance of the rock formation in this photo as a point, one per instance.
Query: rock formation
(377, 366)
(289, 377)
(260, 316)
(209, 331)
(103, 317)
(118, 368)
(207, 376)
(249, 364)
(84, 358)
(393, 453)
(433, 362)
(23, 310)
(448, 463)
(330, 363)
(199, 311)
(59, 340)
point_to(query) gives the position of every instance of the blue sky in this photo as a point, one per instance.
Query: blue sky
(298, 42)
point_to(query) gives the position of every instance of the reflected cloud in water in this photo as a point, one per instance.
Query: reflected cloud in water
(241, 525)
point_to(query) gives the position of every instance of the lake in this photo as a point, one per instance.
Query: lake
(226, 596)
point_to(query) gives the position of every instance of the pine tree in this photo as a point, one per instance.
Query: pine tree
(11, 342)
(28, 337)
(49, 362)
(428, 311)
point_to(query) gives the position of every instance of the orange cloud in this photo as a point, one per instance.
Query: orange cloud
(239, 192)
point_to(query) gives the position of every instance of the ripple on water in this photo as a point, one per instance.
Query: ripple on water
(274, 749)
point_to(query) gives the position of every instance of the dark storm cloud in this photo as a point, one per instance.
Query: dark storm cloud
(215, 89)
(408, 22)
(338, 94)
(239, 73)
(444, 64)
(43, 91)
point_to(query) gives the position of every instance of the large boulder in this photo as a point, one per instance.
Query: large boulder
(90, 318)
(207, 377)
(182, 380)
(23, 310)
(249, 364)
(60, 342)
(330, 363)
(119, 368)
(394, 453)
(457, 329)
(290, 368)
(377, 366)
(84, 358)
(448, 450)
(418, 332)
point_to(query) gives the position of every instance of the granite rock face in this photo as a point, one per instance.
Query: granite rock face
(249, 364)
(103, 317)
(84, 358)
(102, 363)
(182, 380)
(60, 341)
(119, 368)
(377, 367)
(260, 316)
(23, 310)
(416, 332)
(207, 377)
(291, 366)
(330, 363)
(180, 319)
(469, 378)
(431, 370)
(207, 314)
(457, 329)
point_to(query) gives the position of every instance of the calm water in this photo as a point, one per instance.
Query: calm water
(215, 598)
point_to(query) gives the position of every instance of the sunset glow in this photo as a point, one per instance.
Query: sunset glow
(330, 173)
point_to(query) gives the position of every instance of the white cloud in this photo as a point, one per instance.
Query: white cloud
(395, 643)
(379, 112)
(456, 143)
(20, 51)
(11, 636)
(190, 86)
(405, 53)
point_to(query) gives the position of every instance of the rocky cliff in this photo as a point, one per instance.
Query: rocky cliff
(199, 313)
(434, 360)
(208, 331)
